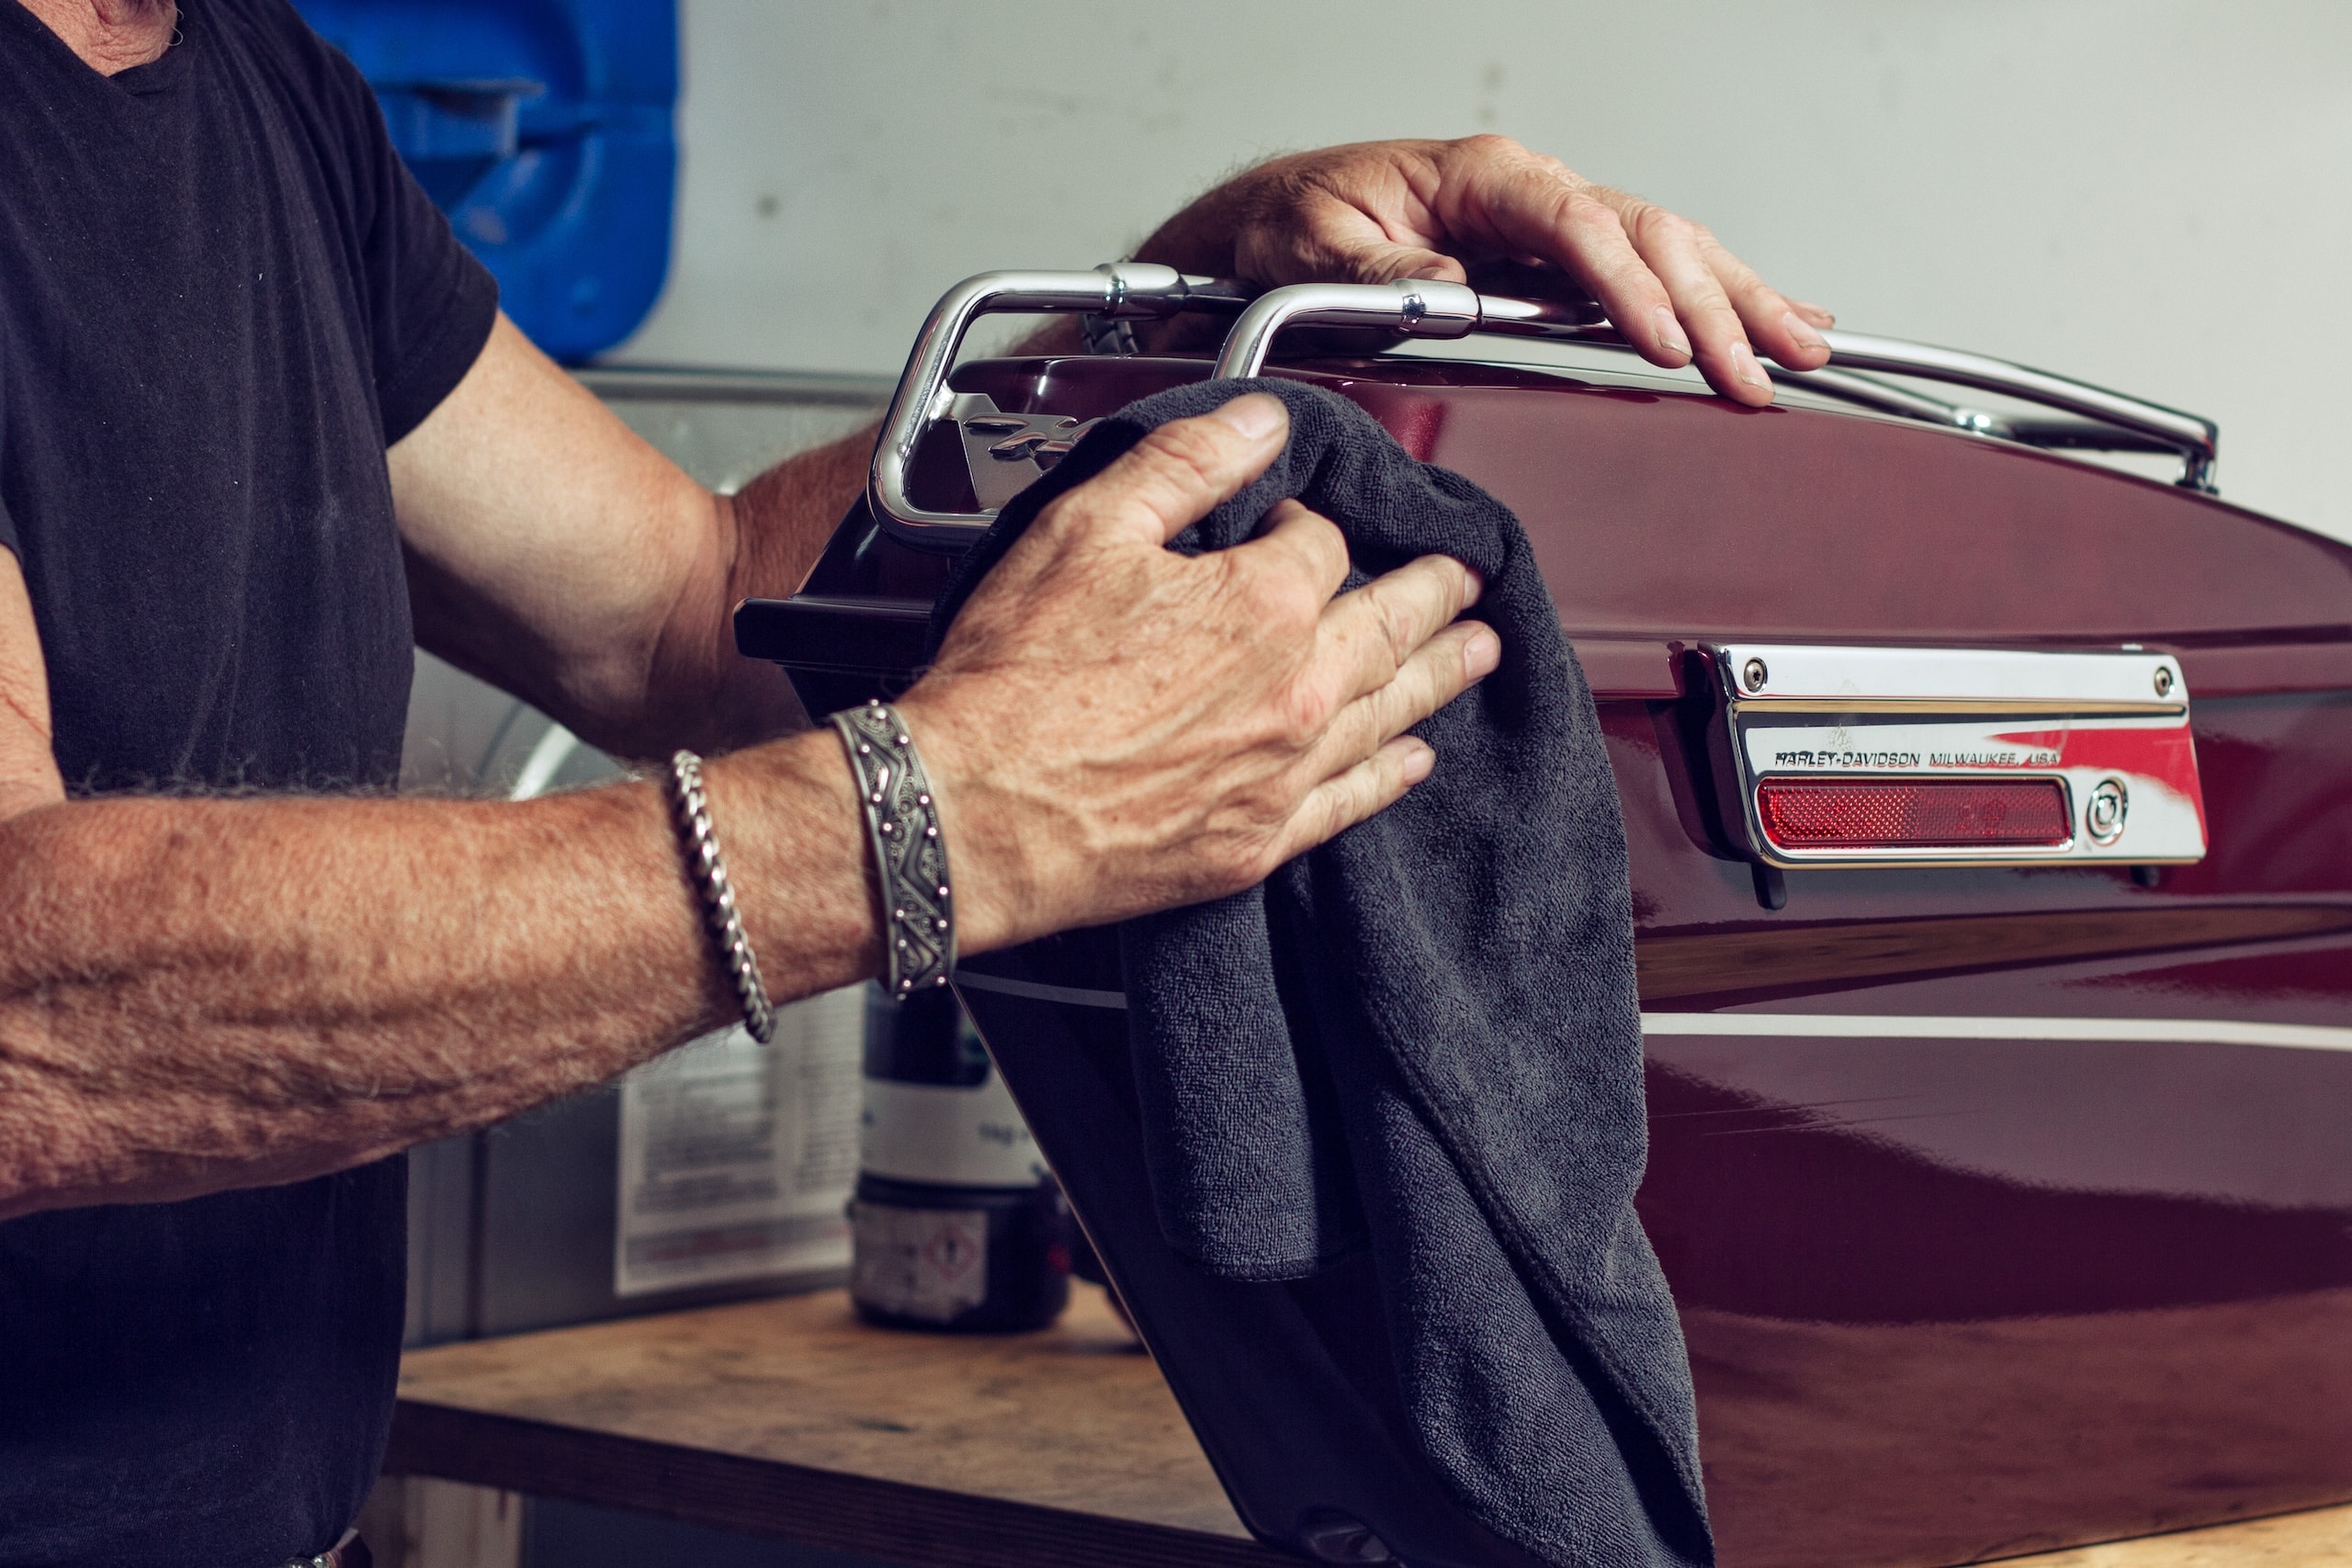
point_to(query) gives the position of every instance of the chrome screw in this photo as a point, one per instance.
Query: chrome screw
(2163, 680)
(2103, 816)
(1752, 675)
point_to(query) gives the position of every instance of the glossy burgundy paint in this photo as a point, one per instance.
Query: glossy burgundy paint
(1946, 1299)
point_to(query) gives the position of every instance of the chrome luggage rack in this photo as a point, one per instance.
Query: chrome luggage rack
(2097, 419)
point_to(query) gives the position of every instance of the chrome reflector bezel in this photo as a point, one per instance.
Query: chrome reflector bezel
(2111, 726)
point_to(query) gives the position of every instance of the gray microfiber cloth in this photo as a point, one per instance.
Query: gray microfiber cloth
(1423, 1038)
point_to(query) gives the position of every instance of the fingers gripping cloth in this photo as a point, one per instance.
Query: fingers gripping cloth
(1423, 1039)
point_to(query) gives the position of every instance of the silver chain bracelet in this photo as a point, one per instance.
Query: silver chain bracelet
(902, 825)
(707, 870)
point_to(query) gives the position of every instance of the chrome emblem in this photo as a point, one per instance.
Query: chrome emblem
(1006, 452)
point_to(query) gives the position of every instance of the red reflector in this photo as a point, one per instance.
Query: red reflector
(1912, 813)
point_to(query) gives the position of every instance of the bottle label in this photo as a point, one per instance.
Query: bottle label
(949, 1137)
(930, 1263)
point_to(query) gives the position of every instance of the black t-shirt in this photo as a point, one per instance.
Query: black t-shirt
(221, 297)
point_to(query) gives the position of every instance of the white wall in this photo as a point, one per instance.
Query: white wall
(2155, 197)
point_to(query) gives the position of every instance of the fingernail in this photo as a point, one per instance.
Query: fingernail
(1477, 589)
(1256, 415)
(1482, 653)
(1669, 332)
(1419, 762)
(1801, 330)
(1745, 369)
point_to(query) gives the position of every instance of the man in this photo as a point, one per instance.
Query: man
(257, 409)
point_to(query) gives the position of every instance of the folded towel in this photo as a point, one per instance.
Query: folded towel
(1423, 1038)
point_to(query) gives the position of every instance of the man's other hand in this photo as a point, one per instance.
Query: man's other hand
(1378, 211)
(1113, 728)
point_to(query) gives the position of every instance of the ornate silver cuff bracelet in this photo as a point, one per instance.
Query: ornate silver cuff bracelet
(909, 857)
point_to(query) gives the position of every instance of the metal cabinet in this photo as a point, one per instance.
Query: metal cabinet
(518, 1226)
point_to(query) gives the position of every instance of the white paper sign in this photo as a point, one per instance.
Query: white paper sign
(738, 1159)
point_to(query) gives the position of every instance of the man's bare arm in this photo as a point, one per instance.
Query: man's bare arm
(200, 994)
(555, 553)
(28, 774)
(197, 995)
(204, 994)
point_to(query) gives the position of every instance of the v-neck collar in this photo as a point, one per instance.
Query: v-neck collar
(159, 74)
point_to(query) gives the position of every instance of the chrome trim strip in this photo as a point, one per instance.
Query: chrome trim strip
(1860, 1026)
(1987, 707)
(1904, 1026)
(1030, 990)
(1994, 706)
(1818, 678)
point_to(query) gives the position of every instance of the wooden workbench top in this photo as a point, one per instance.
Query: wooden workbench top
(787, 1417)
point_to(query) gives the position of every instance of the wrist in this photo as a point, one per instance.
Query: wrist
(999, 898)
(787, 815)
(1200, 241)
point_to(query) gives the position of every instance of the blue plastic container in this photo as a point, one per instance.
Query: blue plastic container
(544, 128)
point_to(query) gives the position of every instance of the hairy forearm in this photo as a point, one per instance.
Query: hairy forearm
(771, 531)
(552, 552)
(697, 691)
(203, 994)
(784, 517)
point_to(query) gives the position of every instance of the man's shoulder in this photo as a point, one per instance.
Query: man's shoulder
(276, 22)
(319, 95)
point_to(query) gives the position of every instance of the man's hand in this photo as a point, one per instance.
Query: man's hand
(1378, 211)
(1113, 728)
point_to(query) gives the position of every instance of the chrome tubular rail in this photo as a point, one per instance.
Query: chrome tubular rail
(2144, 426)
(1416, 308)
(1127, 291)
(1420, 308)
(1447, 309)
(1884, 397)
(2196, 439)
